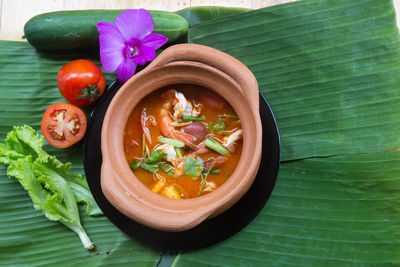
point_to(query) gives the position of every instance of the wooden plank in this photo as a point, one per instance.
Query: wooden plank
(265, 3)
(16, 12)
(168, 5)
(98, 4)
(230, 3)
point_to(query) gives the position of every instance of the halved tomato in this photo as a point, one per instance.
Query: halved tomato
(63, 125)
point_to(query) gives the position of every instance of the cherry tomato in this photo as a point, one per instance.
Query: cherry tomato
(81, 82)
(63, 125)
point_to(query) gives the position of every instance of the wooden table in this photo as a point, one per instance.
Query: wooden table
(15, 13)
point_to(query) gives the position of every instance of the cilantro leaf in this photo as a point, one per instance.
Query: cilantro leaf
(135, 165)
(156, 155)
(153, 167)
(193, 167)
(216, 127)
(167, 168)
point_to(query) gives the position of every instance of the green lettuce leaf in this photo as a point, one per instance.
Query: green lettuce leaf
(24, 141)
(53, 189)
(80, 188)
(22, 170)
(50, 194)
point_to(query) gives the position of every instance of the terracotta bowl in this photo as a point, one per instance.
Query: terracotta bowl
(181, 64)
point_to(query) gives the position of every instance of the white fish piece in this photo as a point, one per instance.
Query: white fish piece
(181, 105)
(196, 112)
(188, 110)
(193, 111)
(171, 153)
(230, 141)
(209, 186)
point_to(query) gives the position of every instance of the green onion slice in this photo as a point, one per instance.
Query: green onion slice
(217, 147)
(214, 172)
(205, 178)
(228, 116)
(178, 152)
(190, 118)
(172, 142)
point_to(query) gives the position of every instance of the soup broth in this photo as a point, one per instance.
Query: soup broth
(183, 141)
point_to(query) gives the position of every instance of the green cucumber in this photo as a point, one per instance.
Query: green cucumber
(62, 30)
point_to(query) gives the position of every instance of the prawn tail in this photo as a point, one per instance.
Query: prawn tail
(186, 138)
(219, 161)
(143, 119)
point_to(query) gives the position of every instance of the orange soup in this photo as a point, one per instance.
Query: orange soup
(183, 141)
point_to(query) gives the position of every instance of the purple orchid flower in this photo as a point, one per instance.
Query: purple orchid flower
(128, 42)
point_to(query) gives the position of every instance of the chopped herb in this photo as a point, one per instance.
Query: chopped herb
(143, 146)
(145, 149)
(214, 172)
(214, 145)
(156, 155)
(178, 152)
(190, 118)
(135, 165)
(205, 178)
(159, 177)
(216, 127)
(167, 168)
(227, 132)
(153, 167)
(228, 116)
(172, 142)
(193, 167)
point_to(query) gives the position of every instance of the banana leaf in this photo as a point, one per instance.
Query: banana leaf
(28, 86)
(198, 14)
(334, 211)
(329, 69)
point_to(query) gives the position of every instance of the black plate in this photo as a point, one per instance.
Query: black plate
(209, 232)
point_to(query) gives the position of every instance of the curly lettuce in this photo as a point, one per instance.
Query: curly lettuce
(53, 189)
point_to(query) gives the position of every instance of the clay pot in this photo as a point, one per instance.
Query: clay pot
(181, 64)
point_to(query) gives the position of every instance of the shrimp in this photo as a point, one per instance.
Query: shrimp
(171, 153)
(176, 100)
(231, 140)
(144, 121)
(182, 107)
(169, 131)
(219, 161)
